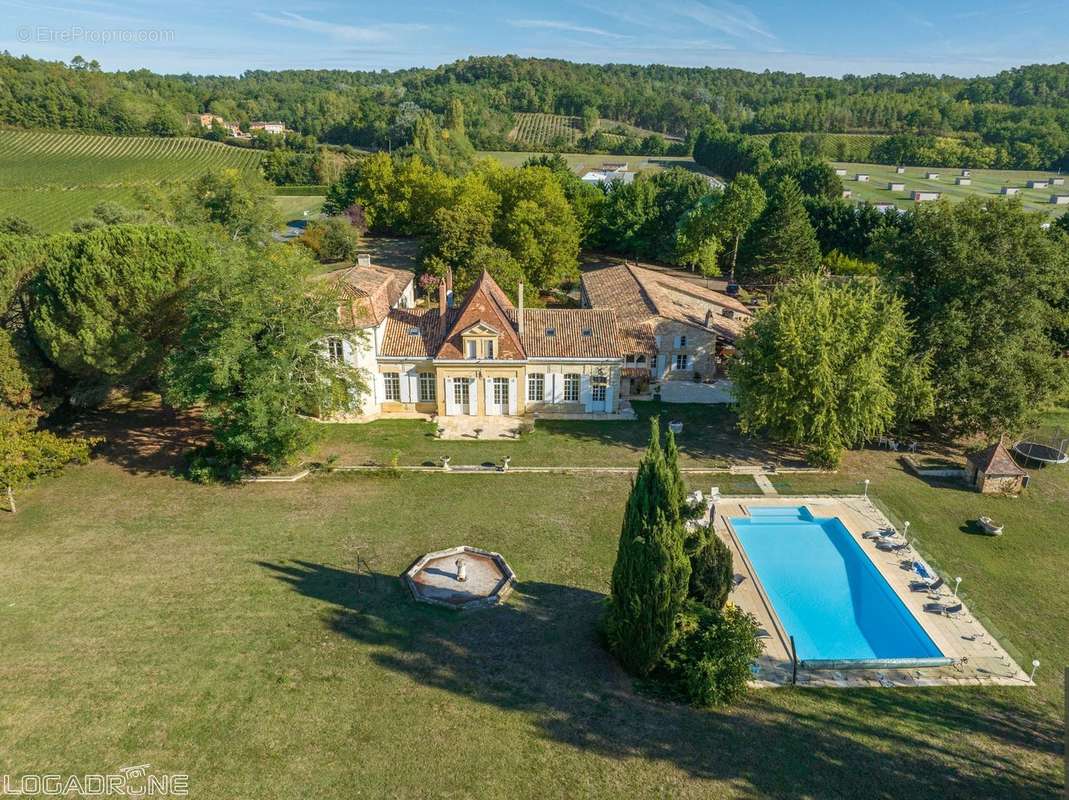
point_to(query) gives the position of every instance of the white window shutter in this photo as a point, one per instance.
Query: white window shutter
(585, 395)
(512, 396)
(380, 387)
(402, 379)
(488, 385)
(413, 385)
(473, 396)
(661, 360)
(450, 405)
(609, 392)
(526, 390)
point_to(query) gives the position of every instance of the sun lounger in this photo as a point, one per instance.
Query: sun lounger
(943, 609)
(879, 533)
(989, 527)
(891, 547)
(926, 586)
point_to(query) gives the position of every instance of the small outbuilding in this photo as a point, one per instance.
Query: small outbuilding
(1057, 181)
(963, 181)
(894, 186)
(1038, 184)
(993, 471)
(932, 176)
(840, 172)
(1010, 190)
(1060, 199)
(900, 170)
(861, 177)
(965, 173)
(924, 197)
(883, 208)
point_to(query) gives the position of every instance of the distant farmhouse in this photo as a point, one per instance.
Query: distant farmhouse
(924, 197)
(269, 127)
(610, 172)
(895, 186)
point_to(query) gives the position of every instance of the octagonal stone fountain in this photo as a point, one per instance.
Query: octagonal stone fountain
(460, 578)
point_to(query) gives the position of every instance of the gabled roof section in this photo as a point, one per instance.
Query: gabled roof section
(638, 295)
(995, 460)
(412, 333)
(366, 294)
(570, 333)
(485, 303)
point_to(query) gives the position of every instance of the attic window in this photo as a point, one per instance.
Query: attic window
(413, 331)
(551, 331)
(729, 313)
(588, 332)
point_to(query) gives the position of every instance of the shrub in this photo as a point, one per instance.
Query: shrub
(708, 661)
(711, 568)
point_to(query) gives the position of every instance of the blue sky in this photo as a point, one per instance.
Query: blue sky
(940, 36)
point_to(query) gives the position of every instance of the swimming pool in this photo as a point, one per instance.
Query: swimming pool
(826, 591)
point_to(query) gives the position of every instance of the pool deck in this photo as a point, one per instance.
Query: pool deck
(981, 659)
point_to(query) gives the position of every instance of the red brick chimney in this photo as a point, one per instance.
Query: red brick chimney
(443, 300)
(519, 310)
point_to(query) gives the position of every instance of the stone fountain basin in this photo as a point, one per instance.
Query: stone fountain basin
(433, 578)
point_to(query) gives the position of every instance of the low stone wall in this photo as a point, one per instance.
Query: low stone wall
(935, 472)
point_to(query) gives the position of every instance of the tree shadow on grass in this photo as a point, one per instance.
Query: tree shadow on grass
(709, 434)
(142, 437)
(538, 655)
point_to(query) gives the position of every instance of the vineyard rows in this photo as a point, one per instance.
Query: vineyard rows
(52, 179)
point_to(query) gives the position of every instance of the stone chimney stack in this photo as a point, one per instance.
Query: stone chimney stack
(519, 310)
(443, 300)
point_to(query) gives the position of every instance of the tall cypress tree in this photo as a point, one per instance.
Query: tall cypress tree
(652, 572)
(781, 244)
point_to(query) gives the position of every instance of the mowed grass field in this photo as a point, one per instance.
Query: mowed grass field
(52, 179)
(582, 162)
(985, 183)
(257, 638)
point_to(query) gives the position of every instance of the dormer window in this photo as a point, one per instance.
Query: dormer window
(550, 332)
(473, 348)
(489, 348)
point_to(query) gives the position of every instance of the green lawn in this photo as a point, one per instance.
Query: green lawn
(985, 183)
(708, 440)
(582, 162)
(226, 633)
(299, 207)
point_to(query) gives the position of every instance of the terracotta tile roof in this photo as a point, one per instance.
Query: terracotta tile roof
(485, 303)
(398, 339)
(638, 295)
(368, 293)
(995, 460)
(416, 332)
(577, 333)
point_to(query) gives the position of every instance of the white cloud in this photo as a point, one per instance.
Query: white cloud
(337, 30)
(571, 27)
(728, 18)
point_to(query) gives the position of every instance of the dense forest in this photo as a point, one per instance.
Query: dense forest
(1022, 113)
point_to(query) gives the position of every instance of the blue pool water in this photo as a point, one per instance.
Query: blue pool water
(827, 592)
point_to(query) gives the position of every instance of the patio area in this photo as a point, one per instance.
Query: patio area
(979, 658)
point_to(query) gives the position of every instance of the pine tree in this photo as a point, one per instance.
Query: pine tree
(781, 244)
(651, 575)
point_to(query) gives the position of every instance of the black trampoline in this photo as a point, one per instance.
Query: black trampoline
(1039, 454)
